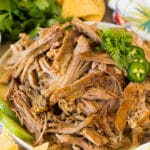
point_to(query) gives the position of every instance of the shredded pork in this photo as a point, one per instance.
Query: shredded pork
(64, 92)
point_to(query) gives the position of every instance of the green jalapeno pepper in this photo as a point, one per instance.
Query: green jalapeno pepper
(14, 128)
(142, 60)
(137, 72)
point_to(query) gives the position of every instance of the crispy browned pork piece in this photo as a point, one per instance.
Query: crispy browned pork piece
(64, 92)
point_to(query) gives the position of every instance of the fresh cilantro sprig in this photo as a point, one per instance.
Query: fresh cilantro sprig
(117, 42)
(18, 16)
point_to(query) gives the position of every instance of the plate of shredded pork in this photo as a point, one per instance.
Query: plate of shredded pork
(80, 87)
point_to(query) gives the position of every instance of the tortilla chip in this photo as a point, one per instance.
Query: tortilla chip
(101, 6)
(6, 141)
(83, 9)
(42, 147)
(93, 18)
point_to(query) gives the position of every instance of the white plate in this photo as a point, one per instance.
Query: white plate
(100, 25)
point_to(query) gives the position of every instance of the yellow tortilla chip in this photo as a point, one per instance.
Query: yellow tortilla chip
(42, 147)
(84, 9)
(93, 18)
(6, 141)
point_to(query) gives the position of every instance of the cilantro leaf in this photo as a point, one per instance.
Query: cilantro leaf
(5, 5)
(42, 4)
(117, 43)
(18, 16)
(6, 22)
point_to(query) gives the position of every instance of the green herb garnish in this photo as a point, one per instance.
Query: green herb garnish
(118, 44)
(27, 16)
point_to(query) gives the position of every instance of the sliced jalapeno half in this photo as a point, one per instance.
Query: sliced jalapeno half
(142, 60)
(137, 72)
